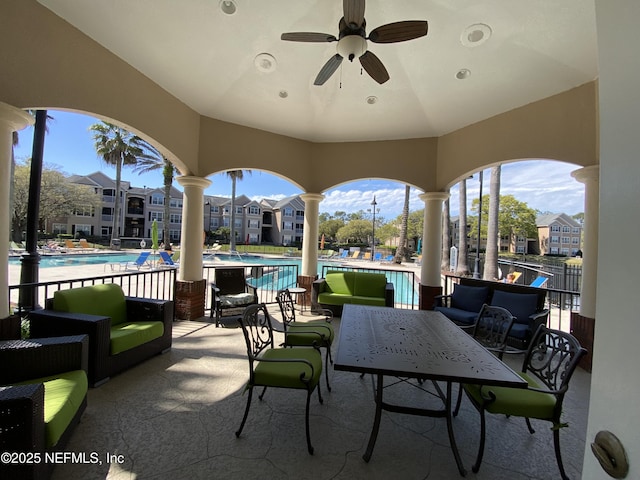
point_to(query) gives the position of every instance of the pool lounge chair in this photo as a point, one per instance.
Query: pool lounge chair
(539, 282)
(377, 257)
(166, 261)
(141, 262)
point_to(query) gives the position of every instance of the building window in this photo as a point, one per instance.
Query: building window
(576, 230)
(555, 239)
(287, 212)
(238, 223)
(238, 210)
(105, 231)
(254, 210)
(555, 228)
(175, 218)
(566, 240)
(226, 222)
(157, 199)
(575, 240)
(175, 203)
(521, 239)
(157, 216)
(215, 209)
(520, 249)
(253, 238)
(214, 223)
(174, 235)
(254, 223)
(59, 228)
(286, 240)
(83, 211)
(287, 225)
(565, 251)
(566, 229)
(86, 229)
(554, 250)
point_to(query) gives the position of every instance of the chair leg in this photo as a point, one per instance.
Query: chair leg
(556, 443)
(246, 412)
(309, 447)
(262, 394)
(326, 367)
(320, 394)
(483, 427)
(529, 426)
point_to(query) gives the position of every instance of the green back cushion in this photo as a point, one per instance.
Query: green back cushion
(520, 305)
(469, 298)
(340, 282)
(106, 300)
(370, 284)
(63, 395)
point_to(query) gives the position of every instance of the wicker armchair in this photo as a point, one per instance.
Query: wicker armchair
(26, 366)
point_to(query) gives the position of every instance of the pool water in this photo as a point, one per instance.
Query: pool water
(77, 259)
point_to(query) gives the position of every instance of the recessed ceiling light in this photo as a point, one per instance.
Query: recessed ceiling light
(372, 99)
(475, 35)
(265, 62)
(228, 7)
(283, 94)
(463, 73)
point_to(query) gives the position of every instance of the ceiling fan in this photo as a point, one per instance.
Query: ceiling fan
(352, 40)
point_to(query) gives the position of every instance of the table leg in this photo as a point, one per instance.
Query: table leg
(376, 421)
(452, 438)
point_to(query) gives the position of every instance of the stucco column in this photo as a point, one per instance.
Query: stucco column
(310, 235)
(12, 119)
(590, 176)
(430, 274)
(191, 238)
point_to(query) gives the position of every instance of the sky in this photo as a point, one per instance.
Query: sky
(544, 185)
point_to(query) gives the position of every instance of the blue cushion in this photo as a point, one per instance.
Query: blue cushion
(469, 298)
(520, 305)
(461, 317)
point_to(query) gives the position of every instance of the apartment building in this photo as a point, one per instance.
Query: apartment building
(559, 234)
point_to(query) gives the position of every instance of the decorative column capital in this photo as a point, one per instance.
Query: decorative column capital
(14, 118)
(311, 197)
(192, 181)
(442, 196)
(586, 174)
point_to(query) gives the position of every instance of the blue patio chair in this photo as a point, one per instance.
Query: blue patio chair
(166, 260)
(344, 254)
(140, 262)
(539, 282)
(377, 257)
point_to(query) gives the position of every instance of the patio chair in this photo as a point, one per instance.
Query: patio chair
(539, 282)
(294, 368)
(141, 262)
(166, 261)
(306, 334)
(548, 366)
(377, 257)
(231, 293)
(491, 329)
(42, 398)
(344, 254)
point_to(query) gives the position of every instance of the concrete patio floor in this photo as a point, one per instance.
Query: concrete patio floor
(175, 415)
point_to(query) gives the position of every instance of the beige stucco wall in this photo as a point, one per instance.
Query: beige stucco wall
(53, 65)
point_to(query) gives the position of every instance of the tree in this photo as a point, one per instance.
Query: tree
(493, 234)
(58, 198)
(463, 266)
(234, 175)
(514, 217)
(356, 231)
(402, 253)
(446, 236)
(158, 161)
(329, 228)
(117, 147)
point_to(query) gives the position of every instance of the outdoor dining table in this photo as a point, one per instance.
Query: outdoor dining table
(415, 344)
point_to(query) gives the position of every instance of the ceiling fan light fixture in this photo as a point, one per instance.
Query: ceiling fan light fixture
(228, 7)
(351, 47)
(475, 35)
(265, 62)
(371, 100)
(283, 94)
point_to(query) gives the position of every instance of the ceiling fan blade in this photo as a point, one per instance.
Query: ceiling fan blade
(353, 12)
(328, 69)
(399, 31)
(308, 37)
(374, 67)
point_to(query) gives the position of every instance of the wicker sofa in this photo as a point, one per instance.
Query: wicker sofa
(123, 331)
(42, 397)
(525, 303)
(340, 287)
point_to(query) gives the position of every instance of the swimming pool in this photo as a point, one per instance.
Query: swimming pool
(78, 259)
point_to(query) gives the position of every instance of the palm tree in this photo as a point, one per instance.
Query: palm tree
(491, 249)
(157, 161)
(234, 175)
(463, 266)
(446, 236)
(117, 147)
(402, 254)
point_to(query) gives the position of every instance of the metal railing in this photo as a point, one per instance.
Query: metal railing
(155, 284)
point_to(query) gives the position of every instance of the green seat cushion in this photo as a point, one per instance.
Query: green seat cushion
(287, 374)
(298, 333)
(236, 300)
(334, 298)
(129, 335)
(105, 300)
(340, 282)
(375, 301)
(516, 401)
(63, 395)
(370, 284)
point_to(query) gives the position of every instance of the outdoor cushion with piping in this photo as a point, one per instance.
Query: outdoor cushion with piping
(288, 374)
(83, 300)
(369, 284)
(125, 336)
(520, 305)
(469, 298)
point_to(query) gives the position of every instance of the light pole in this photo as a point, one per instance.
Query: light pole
(476, 270)
(373, 241)
(208, 229)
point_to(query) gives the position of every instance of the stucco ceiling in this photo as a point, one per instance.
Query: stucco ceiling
(207, 59)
